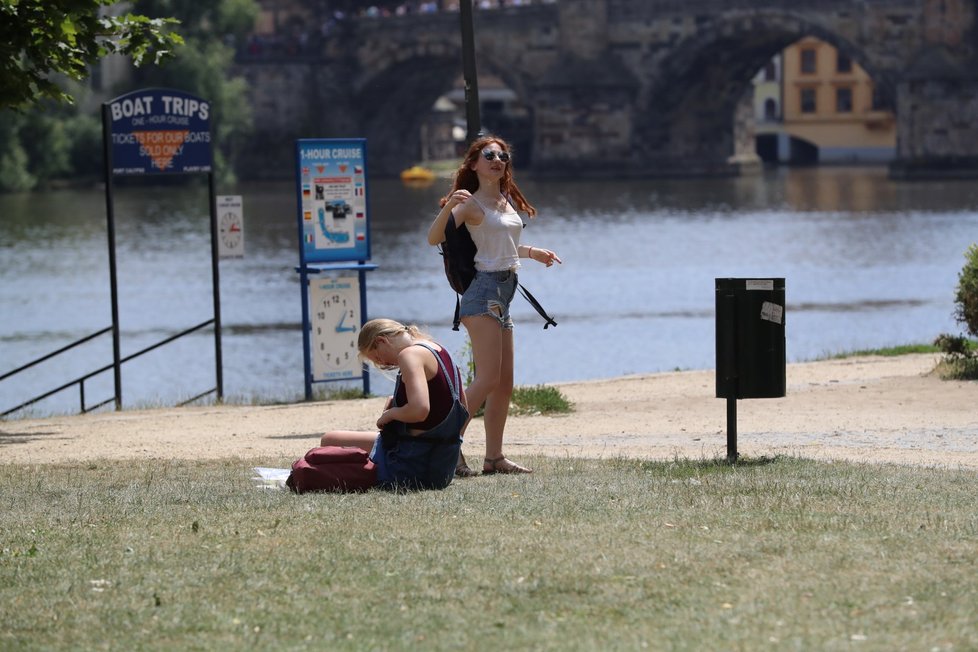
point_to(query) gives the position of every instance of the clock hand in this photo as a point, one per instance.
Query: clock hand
(340, 328)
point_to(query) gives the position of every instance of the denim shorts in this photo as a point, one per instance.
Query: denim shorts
(490, 294)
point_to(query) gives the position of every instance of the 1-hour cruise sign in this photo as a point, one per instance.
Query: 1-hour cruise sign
(157, 131)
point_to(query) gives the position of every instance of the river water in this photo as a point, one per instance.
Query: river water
(868, 262)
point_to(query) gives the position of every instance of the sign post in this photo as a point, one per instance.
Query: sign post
(149, 132)
(334, 241)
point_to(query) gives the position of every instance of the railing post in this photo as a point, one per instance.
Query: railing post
(216, 284)
(110, 228)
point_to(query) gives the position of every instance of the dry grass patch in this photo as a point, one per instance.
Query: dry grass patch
(583, 554)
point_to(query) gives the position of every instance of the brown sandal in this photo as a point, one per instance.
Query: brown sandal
(502, 465)
(462, 469)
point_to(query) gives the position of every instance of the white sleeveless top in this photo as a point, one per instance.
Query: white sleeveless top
(496, 239)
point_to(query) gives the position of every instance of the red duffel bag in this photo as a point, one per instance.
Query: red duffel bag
(332, 468)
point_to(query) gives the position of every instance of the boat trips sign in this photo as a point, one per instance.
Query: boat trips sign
(158, 131)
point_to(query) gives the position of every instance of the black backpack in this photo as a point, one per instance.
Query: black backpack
(458, 254)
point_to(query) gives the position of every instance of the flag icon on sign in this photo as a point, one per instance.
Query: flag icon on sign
(309, 238)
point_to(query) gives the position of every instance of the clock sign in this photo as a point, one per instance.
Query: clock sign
(334, 318)
(230, 227)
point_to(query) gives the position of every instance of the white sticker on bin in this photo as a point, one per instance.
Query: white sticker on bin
(772, 312)
(759, 284)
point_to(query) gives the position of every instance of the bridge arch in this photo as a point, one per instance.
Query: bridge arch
(394, 100)
(684, 119)
(402, 83)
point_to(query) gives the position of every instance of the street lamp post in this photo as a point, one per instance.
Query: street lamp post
(472, 121)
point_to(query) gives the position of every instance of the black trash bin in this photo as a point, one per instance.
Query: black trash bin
(750, 339)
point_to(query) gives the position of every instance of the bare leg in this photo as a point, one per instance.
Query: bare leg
(492, 350)
(497, 402)
(358, 438)
(487, 342)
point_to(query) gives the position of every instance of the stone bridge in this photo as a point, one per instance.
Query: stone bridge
(621, 88)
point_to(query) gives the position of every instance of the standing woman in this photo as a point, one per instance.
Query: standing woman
(485, 199)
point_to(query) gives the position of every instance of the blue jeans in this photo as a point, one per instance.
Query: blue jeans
(490, 294)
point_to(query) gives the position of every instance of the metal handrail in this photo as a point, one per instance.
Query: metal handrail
(58, 352)
(80, 381)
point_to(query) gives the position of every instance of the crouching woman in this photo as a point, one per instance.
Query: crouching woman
(420, 428)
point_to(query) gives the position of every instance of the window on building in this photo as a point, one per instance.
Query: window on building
(880, 102)
(843, 63)
(770, 72)
(807, 98)
(770, 109)
(808, 60)
(843, 100)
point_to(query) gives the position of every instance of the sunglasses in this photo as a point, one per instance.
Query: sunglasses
(491, 155)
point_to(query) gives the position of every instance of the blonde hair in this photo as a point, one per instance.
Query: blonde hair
(466, 178)
(384, 328)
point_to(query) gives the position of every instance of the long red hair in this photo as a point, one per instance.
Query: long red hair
(466, 179)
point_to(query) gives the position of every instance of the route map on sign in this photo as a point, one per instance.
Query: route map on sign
(332, 191)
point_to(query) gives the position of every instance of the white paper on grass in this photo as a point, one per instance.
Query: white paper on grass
(269, 478)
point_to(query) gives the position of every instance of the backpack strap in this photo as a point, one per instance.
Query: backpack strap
(536, 304)
(458, 308)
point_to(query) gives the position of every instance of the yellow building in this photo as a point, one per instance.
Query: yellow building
(829, 113)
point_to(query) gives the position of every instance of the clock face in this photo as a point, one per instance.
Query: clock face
(335, 322)
(229, 227)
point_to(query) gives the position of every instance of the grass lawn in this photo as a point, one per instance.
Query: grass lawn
(778, 554)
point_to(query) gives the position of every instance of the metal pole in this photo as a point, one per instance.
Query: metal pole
(216, 291)
(732, 424)
(363, 316)
(110, 229)
(473, 123)
(306, 335)
(728, 303)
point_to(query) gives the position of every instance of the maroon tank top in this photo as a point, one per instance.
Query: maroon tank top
(439, 395)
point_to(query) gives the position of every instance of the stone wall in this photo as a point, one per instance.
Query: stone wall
(626, 87)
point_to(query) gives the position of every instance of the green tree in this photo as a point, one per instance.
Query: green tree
(53, 140)
(41, 39)
(211, 28)
(14, 176)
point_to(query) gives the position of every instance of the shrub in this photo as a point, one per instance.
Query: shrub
(540, 399)
(952, 345)
(966, 296)
(960, 360)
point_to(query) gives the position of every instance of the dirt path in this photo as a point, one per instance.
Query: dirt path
(868, 409)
